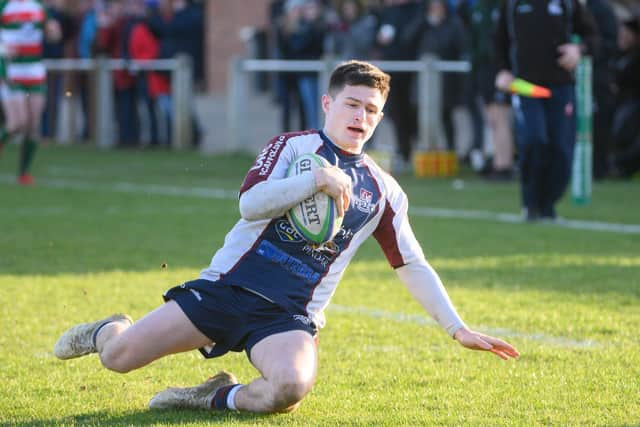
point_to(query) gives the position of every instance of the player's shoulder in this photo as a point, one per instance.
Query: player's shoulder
(282, 149)
(390, 189)
(296, 135)
(379, 173)
(293, 140)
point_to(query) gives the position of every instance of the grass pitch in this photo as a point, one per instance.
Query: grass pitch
(110, 231)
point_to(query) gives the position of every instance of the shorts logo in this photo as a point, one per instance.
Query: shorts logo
(363, 203)
(302, 319)
(286, 233)
(196, 294)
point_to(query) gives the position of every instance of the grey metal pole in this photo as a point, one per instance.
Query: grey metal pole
(181, 88)
(236, 103)
(323, 83)
(424, 95)
(430, 104)
(104, 130)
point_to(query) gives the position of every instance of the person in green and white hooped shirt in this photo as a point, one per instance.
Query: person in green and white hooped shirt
(23, 26)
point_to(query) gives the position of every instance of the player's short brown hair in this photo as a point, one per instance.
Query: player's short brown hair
(359, 73)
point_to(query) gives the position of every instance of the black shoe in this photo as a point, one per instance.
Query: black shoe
(530, 215)
(501, 175)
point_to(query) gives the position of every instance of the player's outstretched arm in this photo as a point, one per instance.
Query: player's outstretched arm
(477, 341)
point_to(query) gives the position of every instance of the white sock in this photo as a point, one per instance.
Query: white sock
(231, 404)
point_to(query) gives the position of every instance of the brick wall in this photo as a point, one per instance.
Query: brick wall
(223, 22)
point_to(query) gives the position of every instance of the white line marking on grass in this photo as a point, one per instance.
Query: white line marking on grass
(517, 219)
(37, 211)
(110, 210)
(217, 193)
(427, 321)
(128, 187)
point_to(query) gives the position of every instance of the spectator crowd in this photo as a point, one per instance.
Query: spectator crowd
(130, 30)
(456, 30)
(346, 29)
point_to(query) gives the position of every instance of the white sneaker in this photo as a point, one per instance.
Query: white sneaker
(198, 397)
(78, 340)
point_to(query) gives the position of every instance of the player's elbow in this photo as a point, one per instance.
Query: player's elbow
(255, 206)
(248, 209)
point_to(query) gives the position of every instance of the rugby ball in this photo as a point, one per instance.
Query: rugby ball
(315, 218)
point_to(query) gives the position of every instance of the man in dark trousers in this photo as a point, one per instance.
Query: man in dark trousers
(603, 80)
(392, 44)
(535, 41)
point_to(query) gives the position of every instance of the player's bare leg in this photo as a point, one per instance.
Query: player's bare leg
(202, 396)
(35, 106)
(123, 347)
(15, 110)
(288, 363)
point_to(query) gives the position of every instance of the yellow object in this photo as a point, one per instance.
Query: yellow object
(382, 158)
(435, 164)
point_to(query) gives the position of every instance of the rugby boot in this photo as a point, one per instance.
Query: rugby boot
(198, 397)
(79, 340)
(26, 179)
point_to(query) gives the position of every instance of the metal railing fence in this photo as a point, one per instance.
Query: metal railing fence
(102, 130)
(429, 89)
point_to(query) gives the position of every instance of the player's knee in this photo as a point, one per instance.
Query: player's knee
(291, 408)
(117, 357)
(290, 388)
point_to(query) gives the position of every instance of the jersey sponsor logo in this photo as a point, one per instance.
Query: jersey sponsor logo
(266, 159)
(289, 263)
(344, 233)
(324, 254)
(363, 201)
(286, 232)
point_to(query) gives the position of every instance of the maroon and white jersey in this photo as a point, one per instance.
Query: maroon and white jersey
(269, 258)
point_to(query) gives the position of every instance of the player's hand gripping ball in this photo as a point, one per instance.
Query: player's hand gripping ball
(315, 218)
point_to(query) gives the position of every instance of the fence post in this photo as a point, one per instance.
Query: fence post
(182, 93)
(429, 104)
(236, 103)
(103, 131)
(324, 77)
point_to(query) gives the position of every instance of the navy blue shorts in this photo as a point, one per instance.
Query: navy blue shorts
(234, 318)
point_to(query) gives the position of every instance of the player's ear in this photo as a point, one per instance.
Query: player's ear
(326, 101)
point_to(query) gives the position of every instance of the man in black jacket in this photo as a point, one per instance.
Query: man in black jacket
(603, 79)
(392, 44)
(534, 41)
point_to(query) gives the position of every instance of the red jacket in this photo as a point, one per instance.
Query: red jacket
(144, 45)
(109, 40)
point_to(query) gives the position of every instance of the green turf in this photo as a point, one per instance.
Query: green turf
(107, 231)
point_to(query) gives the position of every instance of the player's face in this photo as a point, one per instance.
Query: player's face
(352, 116)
